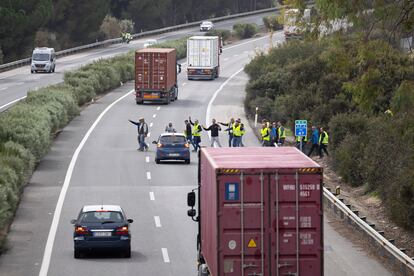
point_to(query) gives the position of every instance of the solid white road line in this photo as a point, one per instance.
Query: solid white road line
(244, 43)
(152, 196)
(147, 159)
(58, 210)
(210, 103)
(4, 88)
(226, 59)
(18, 83)
(12, 102)
(157, 221)
(184, 83)
(165, 255)
(149, 175)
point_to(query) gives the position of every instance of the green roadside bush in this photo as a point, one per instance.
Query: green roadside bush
(272, 23)
(245, 30)
(180, 45)
(27, 129)
(347, 85)
(224, 34)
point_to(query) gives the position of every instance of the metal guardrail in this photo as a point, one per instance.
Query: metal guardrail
(19, 63)
(406, 266)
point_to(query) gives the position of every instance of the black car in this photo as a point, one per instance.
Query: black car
(101, 227)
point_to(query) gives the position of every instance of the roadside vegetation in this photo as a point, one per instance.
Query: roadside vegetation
(180, 46)
(62, 24)
(28, 128)
(360, 85)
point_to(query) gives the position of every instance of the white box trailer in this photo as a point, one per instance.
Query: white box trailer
(203, 60)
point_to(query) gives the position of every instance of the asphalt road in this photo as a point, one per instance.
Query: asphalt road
(110, 170)
(15, 84)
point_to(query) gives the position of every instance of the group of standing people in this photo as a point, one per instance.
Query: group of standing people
(234, 128)
(275, 135)
(272, 134)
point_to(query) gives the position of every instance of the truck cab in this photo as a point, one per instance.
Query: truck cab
(43, 60)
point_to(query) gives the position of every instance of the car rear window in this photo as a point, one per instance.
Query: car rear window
(173, 140)
(101, 216)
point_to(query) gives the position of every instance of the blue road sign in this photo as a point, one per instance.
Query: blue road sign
(301, 128)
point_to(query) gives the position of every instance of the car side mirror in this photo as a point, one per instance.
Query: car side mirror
(191, 213)
(154, 142)
(73, 221)
(130, 220)
(191, 199)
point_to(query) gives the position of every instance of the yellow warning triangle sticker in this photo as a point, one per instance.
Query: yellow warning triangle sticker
(252, 244)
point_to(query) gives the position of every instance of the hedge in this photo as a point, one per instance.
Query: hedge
(28, 128)
(180, 45)
(362, 92)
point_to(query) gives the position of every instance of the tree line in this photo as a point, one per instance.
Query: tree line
(62, 24)
(360, 86)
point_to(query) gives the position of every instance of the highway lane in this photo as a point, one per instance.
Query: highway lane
(15, 84)
(110, 170)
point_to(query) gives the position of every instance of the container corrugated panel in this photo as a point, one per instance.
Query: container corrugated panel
(203, 51)
(155, 69)
(261, 212)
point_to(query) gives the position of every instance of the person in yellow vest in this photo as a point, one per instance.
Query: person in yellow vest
(237, 133)
(281, 133)
(243, 132)
(196, 134)
(265, 134)
(304, 141)
(323, 142)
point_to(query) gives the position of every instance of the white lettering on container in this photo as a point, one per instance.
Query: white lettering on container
(288, 187)
(305, 222)
(306, 239)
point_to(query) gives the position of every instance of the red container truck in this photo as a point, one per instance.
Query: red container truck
(259, 212)
(156, 75)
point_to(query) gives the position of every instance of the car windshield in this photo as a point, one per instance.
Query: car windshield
(151, 41)
(41, 57)
(173, 140)
(101, 217)
(206, 23)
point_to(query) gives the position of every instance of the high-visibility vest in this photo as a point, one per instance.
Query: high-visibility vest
(196, 130)
(237, 131)
(305, 139)
(265, 134)
(281, 132)
(325, 140)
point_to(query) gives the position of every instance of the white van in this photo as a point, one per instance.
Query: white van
(43, 60)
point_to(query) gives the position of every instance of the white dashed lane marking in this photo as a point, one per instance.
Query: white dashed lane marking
(165, 255)
(152, 196)
(147, 159)
(149, 175)
(151, 124)
(157, 221)
(226, 59)
(155, 115)
(4, 88)
(158, 108)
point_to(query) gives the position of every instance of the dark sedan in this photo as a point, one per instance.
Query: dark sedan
(102, 227)
(172, 146)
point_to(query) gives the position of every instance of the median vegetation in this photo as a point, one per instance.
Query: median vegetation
(180, 46)
(28, 128)
(363, 91)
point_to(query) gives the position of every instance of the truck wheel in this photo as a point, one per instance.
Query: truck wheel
(168, 100)
(127, 253)
(77, 254)
(203, 270)
(176, 93)
(139, 102)
(187, 161)
(217, 74)
(157, 161)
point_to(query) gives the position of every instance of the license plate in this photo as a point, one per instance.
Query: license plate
(151, 96)
(174, 154)
(101, 234)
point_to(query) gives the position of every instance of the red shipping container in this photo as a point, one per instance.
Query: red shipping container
(155, 69)
(260, 212)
